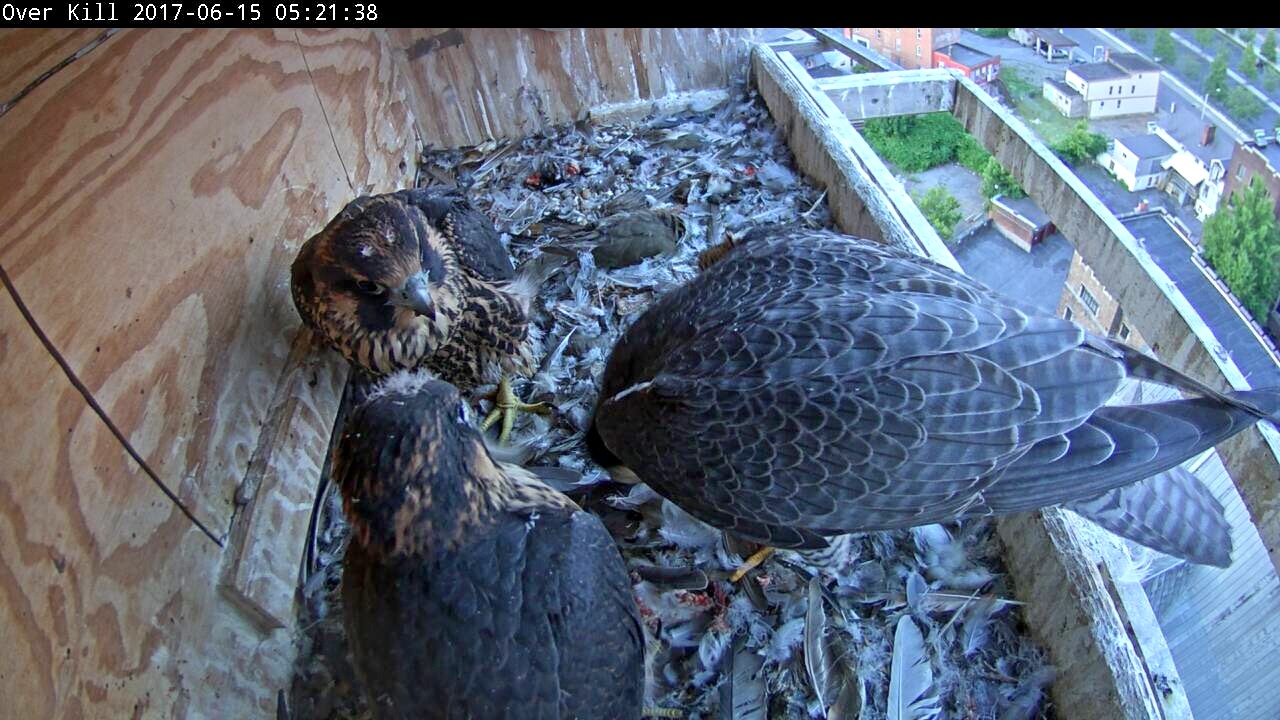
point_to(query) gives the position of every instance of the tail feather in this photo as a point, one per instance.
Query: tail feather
(1144, 367)
(1119, 445)
(1172, 512)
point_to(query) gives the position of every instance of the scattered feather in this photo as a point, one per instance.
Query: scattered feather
(744, 696)
(911, 678)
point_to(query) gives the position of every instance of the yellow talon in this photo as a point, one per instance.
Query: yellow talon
(505, 406)
(751, 563)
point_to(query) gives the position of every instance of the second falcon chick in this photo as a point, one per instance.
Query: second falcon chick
(470, 589)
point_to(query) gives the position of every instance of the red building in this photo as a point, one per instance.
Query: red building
(975, 64)
(1021, 221)
(1249, 162)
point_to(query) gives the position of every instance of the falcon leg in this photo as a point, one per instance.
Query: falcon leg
(506, 406)
(751, 563)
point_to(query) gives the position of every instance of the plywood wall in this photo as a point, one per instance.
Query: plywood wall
(154, 192)
(155, 185)
(476, 84)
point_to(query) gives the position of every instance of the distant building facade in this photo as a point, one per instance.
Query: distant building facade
(1136, 160)
(1063, 97)
(1248, 161)
(1021, 221)
(1087, 303)
(974, 64)
(1156, 159)
(1050, 43)
(912, 48)
(1122, 84)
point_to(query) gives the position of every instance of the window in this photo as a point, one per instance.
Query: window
(1117, 103)
(1133, 89)
(1124, 331)
(1066, 313)
(919, 33)
(1240, 172)
(898, 43)
(1111, 89)
(917, 51)
(1089, 301)
(877, 34)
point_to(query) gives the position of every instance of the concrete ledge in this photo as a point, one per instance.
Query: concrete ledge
(865, 199)
(1152, 302)
(859, 53)
(904, 92)
(1068, 609)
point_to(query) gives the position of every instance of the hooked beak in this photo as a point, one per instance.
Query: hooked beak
(415, 295)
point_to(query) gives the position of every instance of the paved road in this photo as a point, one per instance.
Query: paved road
(1185, 122)
(1240, 79)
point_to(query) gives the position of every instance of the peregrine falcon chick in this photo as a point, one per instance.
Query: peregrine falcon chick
(418, 278)
(470, 588)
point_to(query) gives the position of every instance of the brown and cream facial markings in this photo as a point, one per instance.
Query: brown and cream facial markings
(415, 475)
(382, 282)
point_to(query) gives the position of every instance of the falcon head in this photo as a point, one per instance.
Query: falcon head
(371, 283)
(411, 465)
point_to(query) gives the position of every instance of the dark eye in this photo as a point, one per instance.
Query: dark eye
(372, 288)
(462, 414)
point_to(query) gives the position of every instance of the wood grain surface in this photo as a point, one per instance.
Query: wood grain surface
(155, 191)
(476, 84)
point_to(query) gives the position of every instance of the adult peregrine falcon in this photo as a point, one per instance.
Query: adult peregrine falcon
(809, 384)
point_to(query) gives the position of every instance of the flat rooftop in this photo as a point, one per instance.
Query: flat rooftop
(1049, 36)
(1062, 87)
(964, 54)
(1146, 145)
(1133, 63)
(1024, 207)
(1174, 254)
(1094, 72)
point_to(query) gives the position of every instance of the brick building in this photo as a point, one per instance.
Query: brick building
(1249, 161)
(1086, 302)
(1021, 221)
(912, 48)
(975, 64)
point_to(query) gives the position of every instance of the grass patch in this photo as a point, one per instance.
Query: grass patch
(1030, 104)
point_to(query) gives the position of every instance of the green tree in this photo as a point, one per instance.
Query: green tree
(1204, 38)
(1164, 48)
(1269, 46)
(997, 181)
(1242, 105)
(941, 209)
(993, 32)
(1079, 145)
(1242, 243)
(1270, 80)
(1249, 62)
(1216, 82)
(1138, 34)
